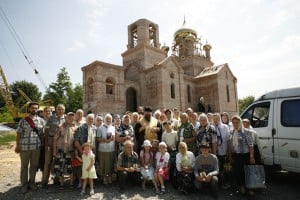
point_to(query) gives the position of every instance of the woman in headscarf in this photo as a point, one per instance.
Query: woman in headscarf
(124, 132)
(106, 140)
(62, 148)
(207, 133)
(242, 151)
(185, 161)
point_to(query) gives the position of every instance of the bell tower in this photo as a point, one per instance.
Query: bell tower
(143, 48)
(143, 32)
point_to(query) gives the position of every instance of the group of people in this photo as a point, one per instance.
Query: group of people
(187, 149)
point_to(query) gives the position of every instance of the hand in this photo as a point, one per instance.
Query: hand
(153, 129)
(17, 149)
(138, 169)
(130, 169)
(208, 178)
(252, 160)
(88, 169)
(199, 178)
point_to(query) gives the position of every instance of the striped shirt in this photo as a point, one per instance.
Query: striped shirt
(29, 140)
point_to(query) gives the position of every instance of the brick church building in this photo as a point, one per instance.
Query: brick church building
(149, 76)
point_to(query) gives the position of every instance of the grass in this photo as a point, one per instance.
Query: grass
(6, 138)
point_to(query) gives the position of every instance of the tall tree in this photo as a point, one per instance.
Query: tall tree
(74, 98)
(30, 89)
(245, 102)
(58, 90)
(63, 92)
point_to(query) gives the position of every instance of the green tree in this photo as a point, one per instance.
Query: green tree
(5, 116)
(62, 91)
(58, 90)
(30, 89)
(245, 102)
(74, 98)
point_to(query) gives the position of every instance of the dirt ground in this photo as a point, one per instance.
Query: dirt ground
(279, 186)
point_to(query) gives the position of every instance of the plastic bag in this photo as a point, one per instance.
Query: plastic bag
(255, 176)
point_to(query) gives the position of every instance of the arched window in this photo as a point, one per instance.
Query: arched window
(110, 86)
(189, 93)
(228, 94)
(172, 75)
(172, 91)
(90, 89)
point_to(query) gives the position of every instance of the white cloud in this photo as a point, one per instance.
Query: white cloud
(76, 46)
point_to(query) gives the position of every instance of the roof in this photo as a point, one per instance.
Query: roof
(103, 64)
(282, 93)
(208, 71)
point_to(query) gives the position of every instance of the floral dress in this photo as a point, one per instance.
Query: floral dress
(185, 131)
(64, 146)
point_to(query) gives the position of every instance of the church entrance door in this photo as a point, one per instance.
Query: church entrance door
(131, 99)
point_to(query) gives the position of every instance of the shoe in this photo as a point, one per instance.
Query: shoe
(32, 186)
(24, 189)
(82, 192)
(163, 190)
(92, 192)
(105, 181)
(243, 190)
(44, 185)
(251, 193)
(109, 180)
(226, 186)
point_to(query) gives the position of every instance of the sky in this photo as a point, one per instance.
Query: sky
(259, 39)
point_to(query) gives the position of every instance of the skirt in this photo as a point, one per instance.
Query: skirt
(62, 163)
(163, 172)
(147, 173)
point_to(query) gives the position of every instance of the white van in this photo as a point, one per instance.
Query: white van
(275, 116)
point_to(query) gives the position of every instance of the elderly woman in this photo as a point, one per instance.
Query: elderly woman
(124, 132)
(195, 122)
(207, 133)
(256, 143)
(117, 121)
(106, 149)
(98, 121)
(79, 118)
(185, 161)
(242, 151)
(186, 133)
(170, 118)
(135, 118)
(62, 148)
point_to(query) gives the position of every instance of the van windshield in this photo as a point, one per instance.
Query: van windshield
(258, 114)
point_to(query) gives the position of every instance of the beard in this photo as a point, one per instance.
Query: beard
(147, 118)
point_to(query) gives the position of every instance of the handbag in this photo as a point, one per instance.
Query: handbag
(255, 176)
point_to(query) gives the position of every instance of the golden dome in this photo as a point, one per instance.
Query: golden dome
(184, 31)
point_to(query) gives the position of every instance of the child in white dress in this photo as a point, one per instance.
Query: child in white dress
(147, 165)
(88, 168)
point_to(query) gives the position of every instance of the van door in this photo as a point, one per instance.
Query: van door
(260, 115)
(288, 133)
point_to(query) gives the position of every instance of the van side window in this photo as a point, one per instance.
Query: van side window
(290, 110)
(258, 114)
